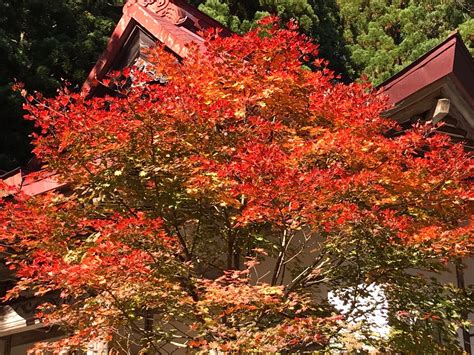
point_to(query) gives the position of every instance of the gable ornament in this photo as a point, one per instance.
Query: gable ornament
(163, 8)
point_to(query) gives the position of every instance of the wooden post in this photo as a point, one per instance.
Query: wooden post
(7, 345)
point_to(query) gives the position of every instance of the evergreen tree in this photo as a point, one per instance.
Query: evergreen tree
(317, 18)
(43, 41)
(384, 36)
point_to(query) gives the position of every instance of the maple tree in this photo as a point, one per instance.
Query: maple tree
(214, 200)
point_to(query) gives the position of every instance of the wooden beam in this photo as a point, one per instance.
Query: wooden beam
(441, 110)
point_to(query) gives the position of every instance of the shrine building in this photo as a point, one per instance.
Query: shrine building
(439, 86)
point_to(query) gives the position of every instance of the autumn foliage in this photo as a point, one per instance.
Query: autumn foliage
(223, 194)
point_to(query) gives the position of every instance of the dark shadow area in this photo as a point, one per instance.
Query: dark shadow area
(328, 32)
(43, 42)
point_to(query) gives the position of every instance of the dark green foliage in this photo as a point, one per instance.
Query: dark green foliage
(317, 18)
(41, 42)
(376, 38)
(384, 36)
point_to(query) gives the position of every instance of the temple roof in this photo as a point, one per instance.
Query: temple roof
(446, 72)
(30, 180)
(174, 23)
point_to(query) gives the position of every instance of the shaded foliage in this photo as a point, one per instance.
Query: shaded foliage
(43, 42)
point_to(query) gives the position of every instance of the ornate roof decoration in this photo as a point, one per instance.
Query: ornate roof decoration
(163, 8)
